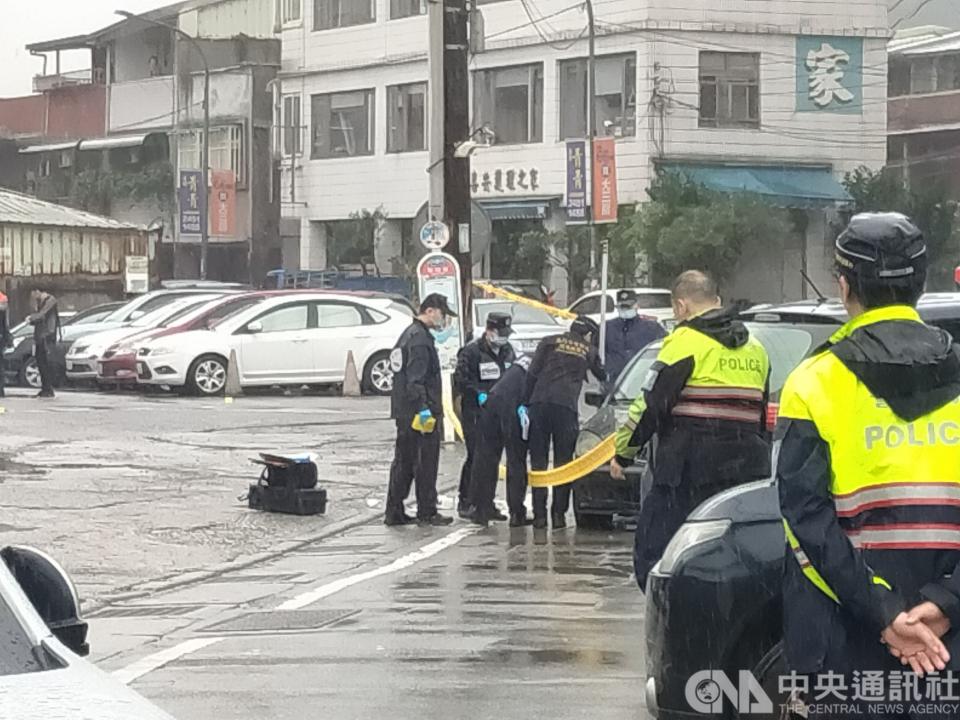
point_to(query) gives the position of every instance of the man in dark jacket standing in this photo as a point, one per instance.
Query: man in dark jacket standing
(628, 334)
(705, 399)
(46, 329)
(480, 364)
(552, 392)
(417, 407)
(500, 429)
(4, 339)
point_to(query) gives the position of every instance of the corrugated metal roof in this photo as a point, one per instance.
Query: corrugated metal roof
(20, 209)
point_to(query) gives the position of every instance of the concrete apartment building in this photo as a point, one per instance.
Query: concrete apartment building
(779, 97)
(150, 82)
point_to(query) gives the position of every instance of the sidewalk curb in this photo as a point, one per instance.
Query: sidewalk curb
(164, 584)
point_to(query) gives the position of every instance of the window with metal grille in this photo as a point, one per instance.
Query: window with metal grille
(226, 150)
(729, 89)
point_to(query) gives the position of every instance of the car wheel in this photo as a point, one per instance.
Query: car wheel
(30, 374)
(593, 522)
(377, 376)
(208, 375)
(768, 672)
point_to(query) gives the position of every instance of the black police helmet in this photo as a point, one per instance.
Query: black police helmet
(884, 247)
(584, 326)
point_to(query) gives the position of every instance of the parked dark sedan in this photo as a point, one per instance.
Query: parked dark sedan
(20, 363)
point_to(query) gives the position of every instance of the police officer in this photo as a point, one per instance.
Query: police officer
(869, 472)
(4, 340)
(417, 407)
(480, 364)
(705, 399)
(46, 331)
(552, 392)
(628, 334)
(500, 429)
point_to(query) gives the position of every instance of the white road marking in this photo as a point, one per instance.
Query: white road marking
(427, 551)
(156, 661)
(150, 663)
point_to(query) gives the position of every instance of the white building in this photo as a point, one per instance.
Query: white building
(783, 97)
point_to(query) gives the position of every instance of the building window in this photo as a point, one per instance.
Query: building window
(407, 8)
(226, 150)
(290, 11)
(292, 137)
(898, 78)
(616, 92)
(329, 14)
(510, 102)
(342, 124)
(407, 118)
(948, 73)
(729, 89)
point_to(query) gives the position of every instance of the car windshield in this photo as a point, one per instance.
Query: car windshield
(16, 652)
(654, 301)
(786, 346)
(521, 314)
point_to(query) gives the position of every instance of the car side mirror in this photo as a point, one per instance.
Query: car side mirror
(594, 399)
(255, 327)
(52, 593)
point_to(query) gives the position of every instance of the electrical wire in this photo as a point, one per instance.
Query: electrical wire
(912, 15)
(528, 9)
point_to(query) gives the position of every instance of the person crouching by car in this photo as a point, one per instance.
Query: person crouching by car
(46, 329)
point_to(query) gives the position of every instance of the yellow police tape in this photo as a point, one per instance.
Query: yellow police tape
(507, 295)
(563, 475)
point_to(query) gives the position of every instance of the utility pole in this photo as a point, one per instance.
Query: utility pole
(591, 134)
(456, 129)
(205, 150)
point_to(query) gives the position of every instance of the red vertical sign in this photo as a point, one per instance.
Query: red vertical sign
(223, 204)
(604, 180)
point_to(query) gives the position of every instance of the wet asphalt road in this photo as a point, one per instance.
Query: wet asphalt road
(214, 611)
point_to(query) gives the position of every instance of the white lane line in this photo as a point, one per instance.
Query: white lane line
(156, 661)
(427, 551)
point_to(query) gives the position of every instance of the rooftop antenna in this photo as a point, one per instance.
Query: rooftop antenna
(821, 298)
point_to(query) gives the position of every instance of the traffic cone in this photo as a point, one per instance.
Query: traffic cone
(351, 380)
(233, 388)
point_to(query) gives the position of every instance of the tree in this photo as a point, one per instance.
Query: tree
(685, 225)
(353, 241)
(928, 204)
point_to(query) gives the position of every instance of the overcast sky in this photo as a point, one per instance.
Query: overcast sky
(29, 21)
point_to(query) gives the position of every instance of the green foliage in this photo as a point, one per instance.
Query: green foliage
(95, 191)
(351, 242)
(927, 203)
(684, 225)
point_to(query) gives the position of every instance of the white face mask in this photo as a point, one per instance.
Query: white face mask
(627, 313)
(498, 341)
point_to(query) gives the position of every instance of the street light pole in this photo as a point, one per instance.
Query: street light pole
(205, 149)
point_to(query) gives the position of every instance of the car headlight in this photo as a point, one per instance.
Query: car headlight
(689, 536)
(154, 351)
(79, 350)
(586, 442)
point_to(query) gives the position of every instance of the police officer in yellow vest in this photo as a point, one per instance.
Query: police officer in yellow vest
(705, 399)
(869, 472)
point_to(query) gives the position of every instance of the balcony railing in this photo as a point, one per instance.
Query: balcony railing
(44, 83)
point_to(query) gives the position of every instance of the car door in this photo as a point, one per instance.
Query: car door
(275, 345)
(341, 327)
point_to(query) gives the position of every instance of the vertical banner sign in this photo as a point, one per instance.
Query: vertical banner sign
(604, 180)
(440, 273)
(576, 182)
(191, 199)
(223, 219)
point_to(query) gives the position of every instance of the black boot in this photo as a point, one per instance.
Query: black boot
(437, 520)
(463, 509)
(520, 521)
(559, 521)
(495, 515)
(477, 517)
(539, 523)
(398, 520)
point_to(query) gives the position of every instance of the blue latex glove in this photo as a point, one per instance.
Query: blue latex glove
(524, 422)
(481, 399)
(425, 415)
(522, 412)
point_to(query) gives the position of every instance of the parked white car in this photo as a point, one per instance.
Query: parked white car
(296, 339)
(41, 678)
(530, 324)
(83, 355)
(653, 302)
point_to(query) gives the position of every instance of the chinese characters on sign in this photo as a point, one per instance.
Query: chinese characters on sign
(191, 202)
(830, 74)
(223, 222)
(604, 180)
(502, 181)
(576, 181)
(439, 273)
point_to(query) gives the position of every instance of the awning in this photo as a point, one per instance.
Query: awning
(55, 147)
(109, 143)
(787, 185)
(516, 209)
